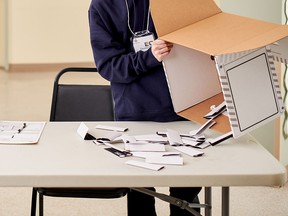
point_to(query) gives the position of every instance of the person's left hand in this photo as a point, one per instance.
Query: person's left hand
(160, 49)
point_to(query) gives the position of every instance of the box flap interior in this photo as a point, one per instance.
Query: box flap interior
(196, 114)
(217, 33)
(171, 15)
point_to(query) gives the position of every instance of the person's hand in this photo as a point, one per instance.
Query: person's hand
(160, 49)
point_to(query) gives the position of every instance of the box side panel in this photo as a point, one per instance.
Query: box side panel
(170, 15)
(279, 50)
(250, 88)
(192, 77)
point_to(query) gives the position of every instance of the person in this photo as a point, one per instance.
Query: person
(128, 54)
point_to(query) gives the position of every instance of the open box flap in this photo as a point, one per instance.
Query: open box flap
(171, 15)
(213, 32)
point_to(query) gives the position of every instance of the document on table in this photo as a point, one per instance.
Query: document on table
(20, 132)
(144, 147)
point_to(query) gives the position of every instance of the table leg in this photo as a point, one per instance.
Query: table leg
(208, 201)
(183, 204)
(225, 201)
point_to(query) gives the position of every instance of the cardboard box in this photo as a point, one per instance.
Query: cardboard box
(220, 57)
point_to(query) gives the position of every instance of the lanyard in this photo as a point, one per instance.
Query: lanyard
(128, 20)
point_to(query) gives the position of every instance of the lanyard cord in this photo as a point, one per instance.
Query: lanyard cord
(128, 20)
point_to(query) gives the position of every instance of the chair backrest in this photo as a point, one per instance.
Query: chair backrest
(81, 102)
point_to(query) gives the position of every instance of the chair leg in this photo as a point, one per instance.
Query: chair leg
(34, 202)
(41, 205)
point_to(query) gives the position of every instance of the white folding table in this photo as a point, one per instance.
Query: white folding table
(63, 159)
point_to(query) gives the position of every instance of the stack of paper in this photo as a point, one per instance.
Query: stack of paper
(19, 132)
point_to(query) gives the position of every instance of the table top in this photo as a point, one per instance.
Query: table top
(63, 159)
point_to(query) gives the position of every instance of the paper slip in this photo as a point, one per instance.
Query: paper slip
(221, 138)
(146, 147)
(82, 130)
(198, 138)
(216, 110)
(151, 138)
(190, 142)
(108, 136)
(145, 165)
(201, 145)
(204, 127)
(174, 137)
(87, 134)
(189, 151)
(128, 139)
(171, 160)
(112, 128)
(155, 154)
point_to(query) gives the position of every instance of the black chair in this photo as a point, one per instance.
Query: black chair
(78, 102)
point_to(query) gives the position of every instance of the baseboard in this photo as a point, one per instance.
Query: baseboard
(47, 67)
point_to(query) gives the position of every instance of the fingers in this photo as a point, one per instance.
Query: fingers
(160, 49)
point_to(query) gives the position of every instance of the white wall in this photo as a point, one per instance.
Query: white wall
(2, 33)
(54, 31)
(270, 11)
(267, 10)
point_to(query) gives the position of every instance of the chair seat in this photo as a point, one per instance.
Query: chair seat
(84, 192)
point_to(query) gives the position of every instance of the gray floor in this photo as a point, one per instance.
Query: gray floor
(27, 96)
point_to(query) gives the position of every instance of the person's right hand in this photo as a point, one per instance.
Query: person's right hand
(160, 49)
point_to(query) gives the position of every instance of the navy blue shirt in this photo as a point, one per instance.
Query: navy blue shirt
(138, 81)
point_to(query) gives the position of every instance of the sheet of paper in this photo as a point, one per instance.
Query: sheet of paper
(106, 136)
(128, 139)
(111, 128)
(19, 132)
(151, 138)
(189, 151)
(144, 147)
(169, 160)
(155, 154)
(82, 130)
(145, 165)
(174, 137)
(190, 142)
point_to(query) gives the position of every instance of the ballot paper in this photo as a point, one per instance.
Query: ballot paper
(189, 151)
(169, 160)
(111, 128)
(145, 165)
(151, 138)
(93, 134)
(155, 154)
(144, 147)
(174, 137)
(195, 144)
(131, 144)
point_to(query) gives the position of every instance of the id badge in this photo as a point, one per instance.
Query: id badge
(142, 40)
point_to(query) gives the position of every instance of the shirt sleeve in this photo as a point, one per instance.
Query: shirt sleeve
(112, 51)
